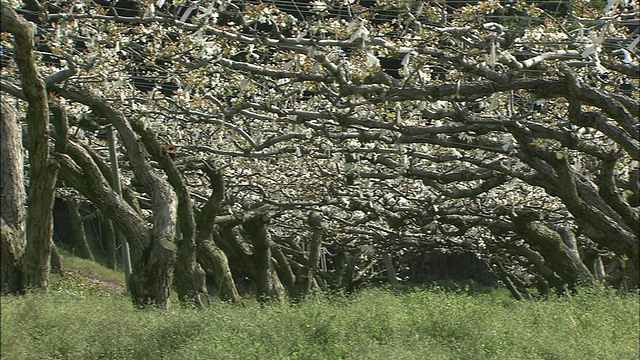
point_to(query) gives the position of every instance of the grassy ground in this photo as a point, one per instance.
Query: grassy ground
(84, 319)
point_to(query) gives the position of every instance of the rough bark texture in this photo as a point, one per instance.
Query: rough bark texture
(268, 285)
(228, 240)
(550, 277)
(79, 171)
(560, 258)
(214, 259)
(153, 257)
(592, 260)
(304, 278)
(43, 171)
(110, 243)
(13, 200)
(56, 260)
(348, 280)
(81, 245)
(285, 268)
(337, 282)
(209, 255)
(602, 214)
(507, 280)
(391, 272)
(254, 255)
(190, 278)
(152, 276)
(153, 249)
(11, 246)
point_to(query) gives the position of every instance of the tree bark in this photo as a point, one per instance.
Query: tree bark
(507, 279)
(12, 201)
(153, 251)
(43, 170)
(340, 264)
(391, 272)
(214, 259)
(56, 260)
(190, 278)
(189, 275)
(304, 279)
(601, 214)
(550, 277)
(209, 255)
(560, 258)
(11, 246)
(152, 256)
(284, 268)
(81, 245)
(268, 285)
(110, 243)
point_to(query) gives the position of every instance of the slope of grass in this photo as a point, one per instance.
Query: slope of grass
(81, 275)
(83, 323)
(75, 263)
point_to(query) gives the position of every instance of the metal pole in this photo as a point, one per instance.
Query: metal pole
(117, 187)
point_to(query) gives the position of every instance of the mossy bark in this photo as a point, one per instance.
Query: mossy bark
(42, 170)
(265, 278)
(11, 247)
(81, 245)
(560, 258)
(153, 248)
(209, 255)
(12, 201)
(56, 260)
(305, 277)
(213, 258)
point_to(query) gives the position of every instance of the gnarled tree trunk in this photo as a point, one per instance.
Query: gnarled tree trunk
(80, 245)
(42, 170)
(110, 243)
(12, 201)
(153, 248)
(560, 258)
(268, 285)
(209, 255)
(305, 278)
(214, 259)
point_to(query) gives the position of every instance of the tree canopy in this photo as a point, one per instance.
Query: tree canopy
(323, 143)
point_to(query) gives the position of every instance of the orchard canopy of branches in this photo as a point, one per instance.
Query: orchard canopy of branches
(508, 129)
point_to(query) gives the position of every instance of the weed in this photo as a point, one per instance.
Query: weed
(76, 321)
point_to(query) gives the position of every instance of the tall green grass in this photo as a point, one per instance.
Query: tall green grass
(92, 267)
(374, 324)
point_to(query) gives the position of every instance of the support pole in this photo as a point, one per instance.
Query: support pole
(117, 187)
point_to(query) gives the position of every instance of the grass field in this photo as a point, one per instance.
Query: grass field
(82, 318)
